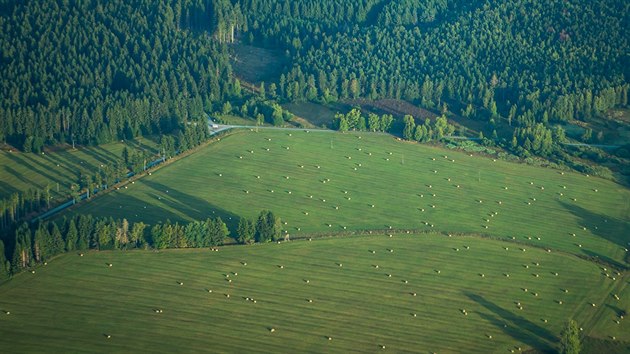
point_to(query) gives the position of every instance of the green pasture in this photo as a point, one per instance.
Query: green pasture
(160, 301)
(21, 171)
(332, 183)
(315, 113)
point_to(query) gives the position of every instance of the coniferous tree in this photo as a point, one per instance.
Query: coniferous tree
(570, 338)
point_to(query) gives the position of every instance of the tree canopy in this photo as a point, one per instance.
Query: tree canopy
(91, 72)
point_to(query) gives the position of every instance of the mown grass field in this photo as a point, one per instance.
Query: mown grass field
(374, 182)
(317, 114)
(20, 171)
(74, 303)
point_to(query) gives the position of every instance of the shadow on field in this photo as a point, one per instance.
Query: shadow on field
(23, 162)
(600, 258)
(611, 229)
(517, 326)
(100, 155)
(7, 189)
(194, 207)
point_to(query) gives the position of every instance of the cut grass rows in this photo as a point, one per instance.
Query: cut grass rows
(378, 170)
(356, 304)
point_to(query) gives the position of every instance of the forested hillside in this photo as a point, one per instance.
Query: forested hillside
(95, 71)
(529, 61)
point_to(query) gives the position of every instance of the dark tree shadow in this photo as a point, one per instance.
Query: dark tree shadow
(600, 258)
(5, 188)
(99, 157)
(604, 226)
(194, 207)
(517, 327)
(25, 163)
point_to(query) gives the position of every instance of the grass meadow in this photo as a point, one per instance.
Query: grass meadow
(358, 291)
(431, 251)
(331, 183)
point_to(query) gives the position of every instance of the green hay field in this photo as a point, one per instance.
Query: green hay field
(374, 182)
(20, 171)
(74, 303)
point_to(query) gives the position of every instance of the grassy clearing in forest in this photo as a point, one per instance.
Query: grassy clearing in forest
(329, 183)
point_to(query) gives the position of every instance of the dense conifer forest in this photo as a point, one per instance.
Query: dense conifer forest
(91, 72)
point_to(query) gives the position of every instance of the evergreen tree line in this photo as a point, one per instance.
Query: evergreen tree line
(354, 120)
(19, 205)
(91, 72)
(35, 244)
(427, 131)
